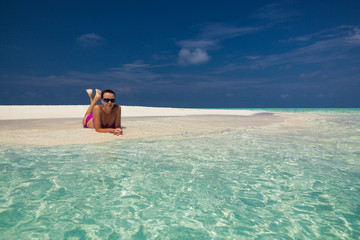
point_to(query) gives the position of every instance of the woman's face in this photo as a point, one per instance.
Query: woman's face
(108, 100)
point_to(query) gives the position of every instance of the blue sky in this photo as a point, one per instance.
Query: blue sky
(220, 54)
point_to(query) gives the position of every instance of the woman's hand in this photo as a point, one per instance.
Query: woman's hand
(118, 131)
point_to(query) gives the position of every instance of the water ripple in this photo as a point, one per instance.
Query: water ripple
(251, 184)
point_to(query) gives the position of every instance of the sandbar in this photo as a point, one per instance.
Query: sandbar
(61, 125)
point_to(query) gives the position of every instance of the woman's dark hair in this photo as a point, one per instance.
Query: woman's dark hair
(107, 91)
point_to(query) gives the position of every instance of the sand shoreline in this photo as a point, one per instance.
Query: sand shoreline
(61, 125)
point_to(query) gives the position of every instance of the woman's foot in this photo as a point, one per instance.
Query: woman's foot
(90, 93)
(98, 94)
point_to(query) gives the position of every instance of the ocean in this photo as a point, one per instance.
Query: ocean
(255, 183)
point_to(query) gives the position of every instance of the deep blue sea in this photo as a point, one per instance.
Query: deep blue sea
(237, 184)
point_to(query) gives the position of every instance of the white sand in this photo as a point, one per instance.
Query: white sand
(78, 111)
(61, 125)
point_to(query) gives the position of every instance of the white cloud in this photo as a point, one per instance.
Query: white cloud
(351, 33)
(195, 51)
(211, 35)
(198, 56)
(324, 47)
(276, 13)
(90, 40)
(127, 75)
(355, 37)
(221, 32)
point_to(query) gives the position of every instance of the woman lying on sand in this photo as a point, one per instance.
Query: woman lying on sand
(104, 118)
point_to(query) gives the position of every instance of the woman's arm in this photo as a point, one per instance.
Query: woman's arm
(118, 117)
(97, 121)
(118, 130)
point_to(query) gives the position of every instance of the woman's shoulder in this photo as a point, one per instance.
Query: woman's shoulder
(97, 107)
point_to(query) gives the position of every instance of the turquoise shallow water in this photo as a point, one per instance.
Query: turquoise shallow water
(248, 184)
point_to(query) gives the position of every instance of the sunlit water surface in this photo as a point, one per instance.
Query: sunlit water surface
(248, 184)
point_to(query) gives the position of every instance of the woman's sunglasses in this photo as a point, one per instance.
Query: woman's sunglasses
(109, 100)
